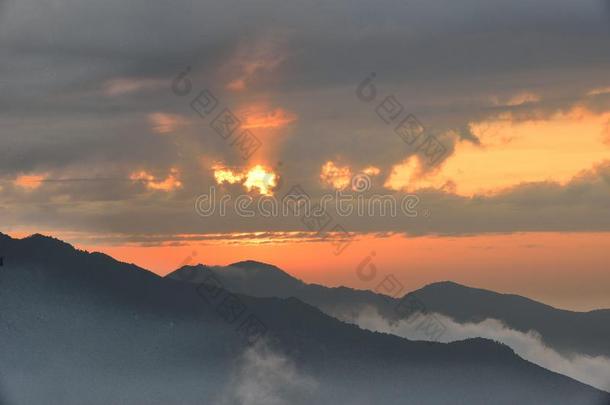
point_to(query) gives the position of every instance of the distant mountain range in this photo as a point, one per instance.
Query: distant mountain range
(264, 280)
(565, 331)
(83, 328)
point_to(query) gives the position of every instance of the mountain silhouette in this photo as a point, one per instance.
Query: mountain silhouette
(83, 328)
(264, 280)
(565, 331)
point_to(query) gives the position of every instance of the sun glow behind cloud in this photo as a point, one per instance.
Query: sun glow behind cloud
(261, 179)
(258, 178)
(261, 117)
(267, 121)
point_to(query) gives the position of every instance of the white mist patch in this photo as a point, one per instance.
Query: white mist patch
(594, 371)
(265, 377)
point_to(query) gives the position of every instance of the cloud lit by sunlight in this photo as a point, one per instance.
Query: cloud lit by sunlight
(261, 179)
(517, 99)
(515, 150)
(598, 91)
(338, 177)
(29, 181)
(258, 178)
(223, 175)
(371, 171)
(341, 177)
(170, 183)
(258, 117)
(409, 176)
(267, 121)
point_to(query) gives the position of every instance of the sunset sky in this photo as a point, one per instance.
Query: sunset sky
(110, 136)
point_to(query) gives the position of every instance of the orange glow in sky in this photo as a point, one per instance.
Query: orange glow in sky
(567, 270)
(554, 148)
(258, 117)
(29, 182)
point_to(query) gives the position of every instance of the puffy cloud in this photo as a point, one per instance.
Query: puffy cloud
(257, 178)
(341, 177)
(410, 176)
(338, 177)
(170, 183)
(266, 377)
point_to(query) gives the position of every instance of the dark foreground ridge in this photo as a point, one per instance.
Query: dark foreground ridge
(83, 328)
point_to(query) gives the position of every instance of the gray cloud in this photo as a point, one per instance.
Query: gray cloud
(580, 205)
(442, 61)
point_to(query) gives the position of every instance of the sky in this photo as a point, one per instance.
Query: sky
(486, 124)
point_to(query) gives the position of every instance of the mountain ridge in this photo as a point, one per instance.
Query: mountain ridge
(567, 331)
(111, 327)
(252, 265)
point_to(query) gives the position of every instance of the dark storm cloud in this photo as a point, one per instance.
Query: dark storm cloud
(443, 60)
